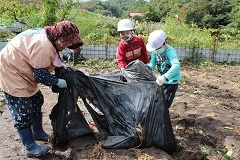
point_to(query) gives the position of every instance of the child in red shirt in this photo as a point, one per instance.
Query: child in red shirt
(131, 47)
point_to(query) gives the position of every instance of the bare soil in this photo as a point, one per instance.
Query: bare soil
(205, 118)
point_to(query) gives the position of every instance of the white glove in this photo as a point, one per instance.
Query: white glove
(62, 83)
(122, 69)
(160, 80)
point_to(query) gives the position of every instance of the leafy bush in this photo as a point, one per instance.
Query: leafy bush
(5, 35)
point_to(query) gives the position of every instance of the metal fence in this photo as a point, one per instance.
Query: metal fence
(228, 56)
(109, 52)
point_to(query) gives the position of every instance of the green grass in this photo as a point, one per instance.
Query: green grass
(93, 30)
(87, 21)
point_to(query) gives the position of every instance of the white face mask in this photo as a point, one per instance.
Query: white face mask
(127, 37)
(161, 50)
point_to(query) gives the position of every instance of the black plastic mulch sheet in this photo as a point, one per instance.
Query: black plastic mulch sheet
(131, 103)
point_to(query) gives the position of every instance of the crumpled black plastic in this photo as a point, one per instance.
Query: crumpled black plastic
(67, 119)
(131, 102)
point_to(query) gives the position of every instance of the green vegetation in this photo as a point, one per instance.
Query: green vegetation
(96, 28)
(5, 34)
(192, 24)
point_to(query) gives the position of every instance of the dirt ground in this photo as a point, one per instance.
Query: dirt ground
(205, 118)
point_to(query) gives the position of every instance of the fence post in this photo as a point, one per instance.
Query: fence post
(106, 51)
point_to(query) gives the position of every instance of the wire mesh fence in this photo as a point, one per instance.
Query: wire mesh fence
(96, 51)
(109, 52)
(228, 56)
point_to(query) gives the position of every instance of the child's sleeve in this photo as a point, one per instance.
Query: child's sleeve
(121, 57)
(153, 60)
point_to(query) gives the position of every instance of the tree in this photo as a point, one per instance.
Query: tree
(209, 14)
(152, 16)
(35, 14)
(49, 12)
(234, 16)
(16, 11)
(56, 10)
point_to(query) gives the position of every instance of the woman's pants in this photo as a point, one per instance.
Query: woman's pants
(24, 109)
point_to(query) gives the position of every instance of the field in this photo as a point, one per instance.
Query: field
(205, 118)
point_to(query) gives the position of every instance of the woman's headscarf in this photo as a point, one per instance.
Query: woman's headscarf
(64, 33)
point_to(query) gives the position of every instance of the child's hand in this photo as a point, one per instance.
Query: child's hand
(160, 80)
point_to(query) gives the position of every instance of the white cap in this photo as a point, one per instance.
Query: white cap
(124, 25)
(155, 40)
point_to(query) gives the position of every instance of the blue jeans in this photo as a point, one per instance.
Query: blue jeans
(24, 109)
